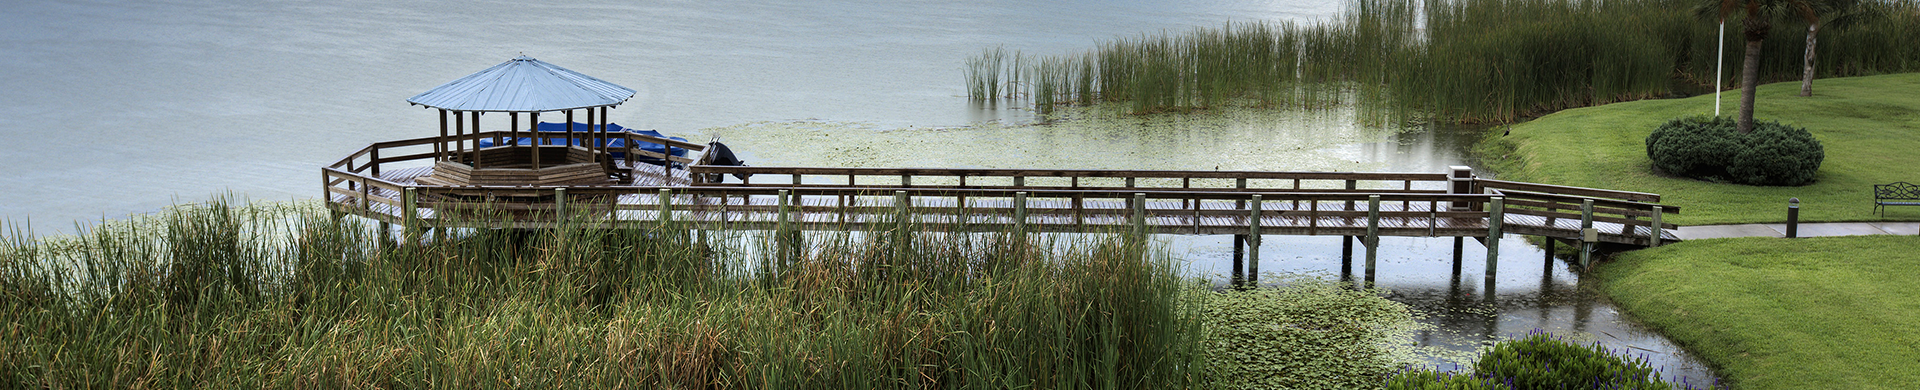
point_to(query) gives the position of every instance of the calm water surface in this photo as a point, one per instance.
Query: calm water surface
(115, 108)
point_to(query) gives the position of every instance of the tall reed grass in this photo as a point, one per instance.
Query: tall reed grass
(224, 296)
(1448, 60)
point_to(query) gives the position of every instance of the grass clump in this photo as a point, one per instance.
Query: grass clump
(1770, 313)
(1865, 125)
(223, 296)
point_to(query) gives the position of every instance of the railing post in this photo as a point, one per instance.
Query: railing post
(1373, 232)
(1587, 234)
(1139, 216)
(559, 205)
(1253, 242)
(410, 216)
(784, 236)
(1019, 222)
(666, 206)
(1496, 217)
(1657, 233)
(901, 238)
(780, 223)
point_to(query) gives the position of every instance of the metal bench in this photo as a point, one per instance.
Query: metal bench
(1896, 194)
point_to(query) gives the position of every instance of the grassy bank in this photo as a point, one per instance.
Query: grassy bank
(283, 296)
(1816, 313)
(1870, 127)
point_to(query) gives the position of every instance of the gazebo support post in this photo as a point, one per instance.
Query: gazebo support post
(605, 139)
(533, 129)
(590, 134)
(440, 145)
(569, 129)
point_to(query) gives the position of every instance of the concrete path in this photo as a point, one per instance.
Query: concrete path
(1806, 230)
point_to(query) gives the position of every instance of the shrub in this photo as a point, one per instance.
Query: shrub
(1694, 146)
(1540, 361)
(1709, 148)
(1777, 154)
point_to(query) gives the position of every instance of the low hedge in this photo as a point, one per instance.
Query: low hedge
(1708, 148)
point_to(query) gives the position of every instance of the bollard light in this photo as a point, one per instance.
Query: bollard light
(1793, 217)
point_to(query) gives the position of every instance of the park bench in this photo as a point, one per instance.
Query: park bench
(1896, 194)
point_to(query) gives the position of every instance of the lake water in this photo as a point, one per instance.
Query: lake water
(115, 108)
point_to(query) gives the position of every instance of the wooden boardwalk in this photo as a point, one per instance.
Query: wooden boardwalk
(1241, 203)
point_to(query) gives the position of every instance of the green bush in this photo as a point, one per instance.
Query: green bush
(1709, 148)
(1540, 361)
(1777, 154)
(1693, 146)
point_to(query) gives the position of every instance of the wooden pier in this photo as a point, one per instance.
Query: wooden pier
(1252, 204)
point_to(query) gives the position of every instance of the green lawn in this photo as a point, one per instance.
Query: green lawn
(1870, 127)
(1771, 313)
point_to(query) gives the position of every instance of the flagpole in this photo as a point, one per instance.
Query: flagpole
(1719, 60)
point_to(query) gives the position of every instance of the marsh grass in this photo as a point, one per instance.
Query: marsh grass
(225, 296)
(1451, 60)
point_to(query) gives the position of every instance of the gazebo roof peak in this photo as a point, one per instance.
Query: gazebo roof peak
(524, 84)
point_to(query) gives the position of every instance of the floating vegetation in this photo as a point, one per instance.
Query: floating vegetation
(1452, 60)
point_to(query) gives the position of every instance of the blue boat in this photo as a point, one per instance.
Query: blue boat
(582, 138)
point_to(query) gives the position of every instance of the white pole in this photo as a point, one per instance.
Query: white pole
(1719, 60)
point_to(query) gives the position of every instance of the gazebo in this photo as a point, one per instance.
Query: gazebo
(529, 86)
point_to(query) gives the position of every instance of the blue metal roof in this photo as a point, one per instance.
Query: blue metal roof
(523, 84)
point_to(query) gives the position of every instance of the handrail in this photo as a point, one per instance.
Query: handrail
(1557, 189)
(1101, 173)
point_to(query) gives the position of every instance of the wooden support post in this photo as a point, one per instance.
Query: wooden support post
(1020, 222)
(1657, 233)
(1459, 243)
(666, 206)
(410, 216)
(1550, 244)
(780, 224)
(1496, 216)
(784, 238)
(1586, 232)
(1373, 233)
(901, 238)
(1253, 242)
(373, 160)
(1129, 182)
(1240, 184)
(440, 144)
(1346, 249)
(560, 205)
(1139, 217)
(1239, 278)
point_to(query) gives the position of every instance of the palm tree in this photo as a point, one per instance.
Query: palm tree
(1756, 23)
(1832, 13)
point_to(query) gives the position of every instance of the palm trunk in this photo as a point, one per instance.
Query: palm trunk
(1806, 75)
(1749, 84)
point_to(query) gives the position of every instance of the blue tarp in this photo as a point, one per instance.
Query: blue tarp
(582, 138)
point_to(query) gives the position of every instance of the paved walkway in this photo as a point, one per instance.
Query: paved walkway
(1806, 230)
